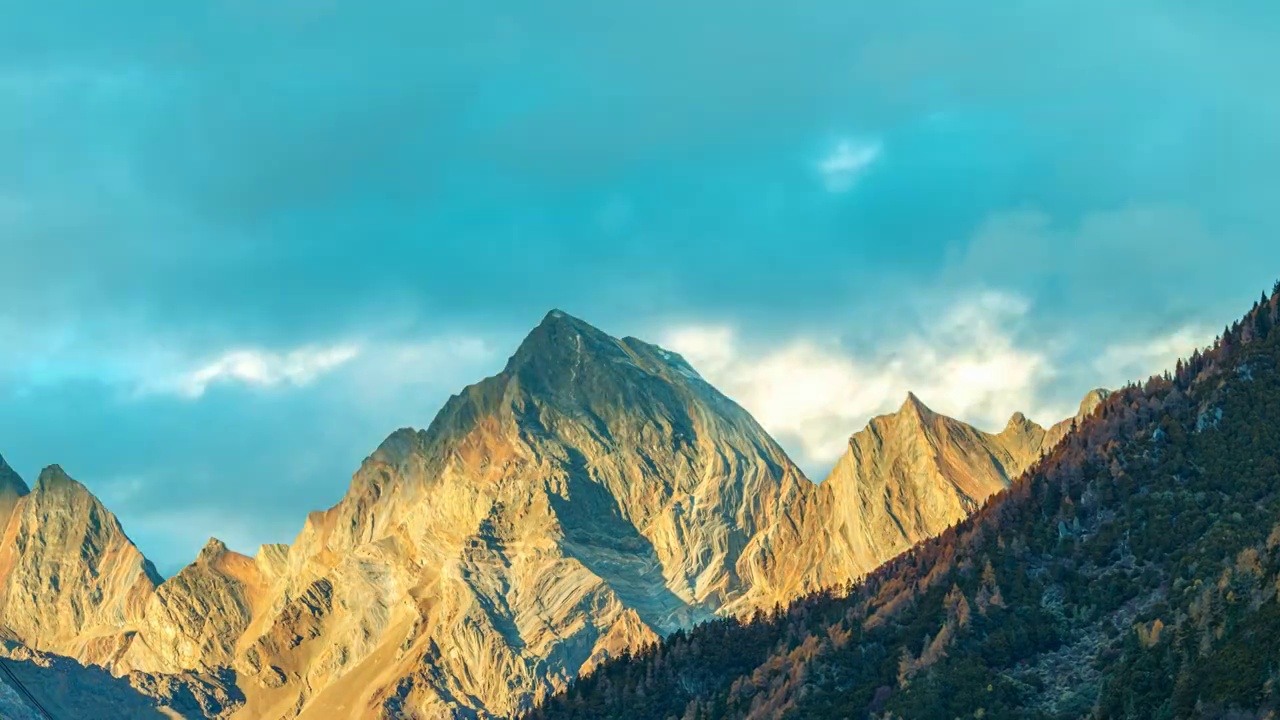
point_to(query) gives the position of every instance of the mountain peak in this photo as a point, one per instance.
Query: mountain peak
(555, 316)
(212, 550)
(1019, 422)
(10, 482)
(562, 338)
(562, 322)
(54, 477)
(914, 406)
(1091, 401)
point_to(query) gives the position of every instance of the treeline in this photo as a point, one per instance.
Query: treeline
(1131, 573)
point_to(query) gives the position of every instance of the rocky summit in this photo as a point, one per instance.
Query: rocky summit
(592, 497)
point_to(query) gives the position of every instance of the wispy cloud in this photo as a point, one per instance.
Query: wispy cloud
(260, 368)
(812, 393)
(1123, 362)
(846, 162)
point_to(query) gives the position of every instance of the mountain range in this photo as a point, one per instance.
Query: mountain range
(594, 497)
(1132, 573)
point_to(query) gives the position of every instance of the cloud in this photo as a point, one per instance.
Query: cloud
(1138, 360)
(846, 162)
(259, 368)
(813, 393)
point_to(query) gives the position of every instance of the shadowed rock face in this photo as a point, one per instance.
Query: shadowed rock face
(593, 495)
(64, 688)
(12, 489)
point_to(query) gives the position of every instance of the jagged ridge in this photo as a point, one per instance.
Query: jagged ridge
(594, 495)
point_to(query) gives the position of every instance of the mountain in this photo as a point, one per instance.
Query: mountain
(596, 495)
(910, 475)
(70, 579)
(1134, 572)
(593, 495)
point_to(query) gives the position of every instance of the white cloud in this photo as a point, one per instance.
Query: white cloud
(1123, 362)
(846, 162)
(262, 368)
(812, 393)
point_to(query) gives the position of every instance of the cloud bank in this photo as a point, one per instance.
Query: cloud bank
(969, 362)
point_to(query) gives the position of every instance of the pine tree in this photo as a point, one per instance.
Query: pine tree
(1262, 320)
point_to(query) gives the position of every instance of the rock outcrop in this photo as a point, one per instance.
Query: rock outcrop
(593, 496)
(1090, 403)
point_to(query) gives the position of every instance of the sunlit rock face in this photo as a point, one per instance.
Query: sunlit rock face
(594, 495)
(71, 581)
(910, 475)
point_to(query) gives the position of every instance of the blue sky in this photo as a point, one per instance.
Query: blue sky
(242, 242)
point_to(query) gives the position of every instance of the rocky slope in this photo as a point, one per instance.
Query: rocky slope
(592, 497)
(910, 475)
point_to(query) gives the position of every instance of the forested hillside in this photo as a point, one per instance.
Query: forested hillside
(1131, 573)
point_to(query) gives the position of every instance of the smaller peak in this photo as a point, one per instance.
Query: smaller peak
(1020, 423)
(54, 477)
(212, 550)
(560, 317)
(1091, 401)
(398, 446)
(10, 482)
(914, 405)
